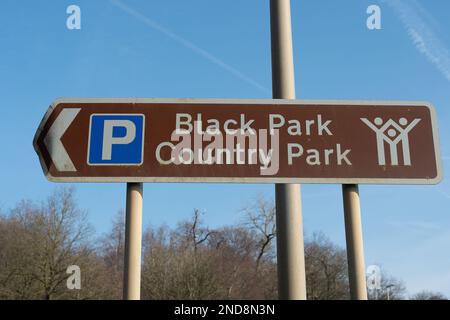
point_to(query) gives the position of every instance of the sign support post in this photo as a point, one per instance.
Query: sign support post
(354, 238)
(133, 242)
(290, 247)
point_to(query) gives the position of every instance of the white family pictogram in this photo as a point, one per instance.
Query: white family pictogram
(393, 134)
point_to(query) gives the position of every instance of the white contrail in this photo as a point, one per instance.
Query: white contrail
(188, 44)
(444, 193)
(420, 26)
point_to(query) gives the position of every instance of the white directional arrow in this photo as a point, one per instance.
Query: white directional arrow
(53, 142)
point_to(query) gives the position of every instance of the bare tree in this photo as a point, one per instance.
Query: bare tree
(111, 252)
(326, 269)
(192, 232)
(391, 288)
(16, 281)
(428, 295)
(178, 263)
(39, 241)
(235, 249)
(260, 218)
(42, 241)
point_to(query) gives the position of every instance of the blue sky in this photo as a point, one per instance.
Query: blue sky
(221, 49)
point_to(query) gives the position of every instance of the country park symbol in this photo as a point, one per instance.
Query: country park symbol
(393, 134)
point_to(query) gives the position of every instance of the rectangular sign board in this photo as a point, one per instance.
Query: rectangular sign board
(241, 141)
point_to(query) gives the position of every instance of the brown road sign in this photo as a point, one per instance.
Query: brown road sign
(242, 141)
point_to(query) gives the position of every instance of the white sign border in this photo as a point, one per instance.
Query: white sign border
(253, 180)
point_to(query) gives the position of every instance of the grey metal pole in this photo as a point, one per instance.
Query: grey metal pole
(355, 247)
(133, 243)
(290, 247)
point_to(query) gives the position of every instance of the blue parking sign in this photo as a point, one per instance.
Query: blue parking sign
(116, 139)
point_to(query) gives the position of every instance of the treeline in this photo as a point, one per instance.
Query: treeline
(38, 242)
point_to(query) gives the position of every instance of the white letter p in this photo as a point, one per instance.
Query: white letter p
(109, 140)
